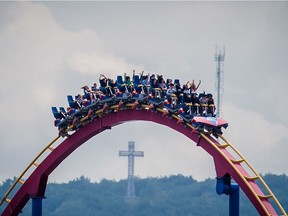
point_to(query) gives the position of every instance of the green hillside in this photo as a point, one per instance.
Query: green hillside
(166, 196)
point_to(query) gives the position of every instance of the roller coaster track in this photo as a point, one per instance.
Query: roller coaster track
(226, 157)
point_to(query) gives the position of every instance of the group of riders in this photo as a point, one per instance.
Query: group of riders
(148, 89)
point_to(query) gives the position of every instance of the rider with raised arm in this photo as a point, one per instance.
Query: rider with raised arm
(193, 86)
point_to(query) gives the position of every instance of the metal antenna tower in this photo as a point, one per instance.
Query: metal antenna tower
(131, 153)
(219, 58)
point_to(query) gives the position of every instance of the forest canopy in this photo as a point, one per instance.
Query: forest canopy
(174, 195)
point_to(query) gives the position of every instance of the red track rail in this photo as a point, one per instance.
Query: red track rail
(35, 185)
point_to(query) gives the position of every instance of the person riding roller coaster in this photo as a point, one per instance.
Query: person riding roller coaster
(152, 91)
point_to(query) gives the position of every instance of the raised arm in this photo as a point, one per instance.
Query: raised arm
(198, 84)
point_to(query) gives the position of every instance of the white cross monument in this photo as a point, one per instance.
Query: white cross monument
(131, 153)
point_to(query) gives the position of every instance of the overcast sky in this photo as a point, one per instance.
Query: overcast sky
(51, 49)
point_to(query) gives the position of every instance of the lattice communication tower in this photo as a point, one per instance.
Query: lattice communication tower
(219, 59)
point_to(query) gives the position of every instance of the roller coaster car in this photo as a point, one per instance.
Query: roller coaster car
(104, 99)
(187, 115)
(80, 109)
(173, 106)
(123, 96)
(61, 121)
(157, 100)
(140, 89)
(58, 114)
(73, 103)
(92, 105)
(141, 97)
(210, 124)
(72, 119)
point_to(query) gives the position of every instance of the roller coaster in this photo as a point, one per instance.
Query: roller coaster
(102, 109)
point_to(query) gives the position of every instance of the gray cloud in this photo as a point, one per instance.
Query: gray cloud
(51, 49)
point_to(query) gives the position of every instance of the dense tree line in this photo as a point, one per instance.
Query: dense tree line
(166, 196)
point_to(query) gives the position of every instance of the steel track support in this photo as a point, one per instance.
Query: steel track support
(37, 205)
(224, 186)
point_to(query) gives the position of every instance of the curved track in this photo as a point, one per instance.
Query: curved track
(223, 154)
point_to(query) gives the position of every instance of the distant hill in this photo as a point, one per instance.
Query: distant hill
(174, 195)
